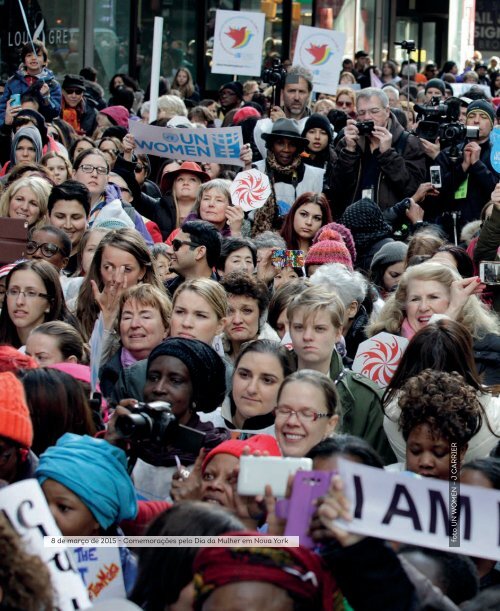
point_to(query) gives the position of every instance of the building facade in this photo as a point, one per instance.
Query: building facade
(117, 36)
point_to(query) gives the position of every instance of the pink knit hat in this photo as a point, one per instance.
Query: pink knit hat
(118, 115)
(345, 234)
(329, 249)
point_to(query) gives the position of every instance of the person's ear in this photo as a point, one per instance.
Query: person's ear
(331, 426)
(65, 262)
(202, 253)
(220, 325)
(352, 309)
(72, 359)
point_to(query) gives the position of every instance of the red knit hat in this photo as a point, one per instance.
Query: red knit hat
(15, 420)
(13, 360)
(235, 447)
(345, 234)
(329, 249)
(245, 113)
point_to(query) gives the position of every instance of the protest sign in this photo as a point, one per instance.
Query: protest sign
(250, 190)
(101, 571)
(25, 507)
(461, 89)
(378, 358)
(320, 51)
(422, 510)
(495, 149)
(220, 145)
(238, 40)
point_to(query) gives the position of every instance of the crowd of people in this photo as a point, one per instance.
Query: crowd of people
(153, 332)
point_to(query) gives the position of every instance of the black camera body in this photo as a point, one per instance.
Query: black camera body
(148, 421)
(365, 128)
(440, 120)
(276, 77)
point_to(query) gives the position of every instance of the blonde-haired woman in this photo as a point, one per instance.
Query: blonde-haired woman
(433, 288)
(26, 199)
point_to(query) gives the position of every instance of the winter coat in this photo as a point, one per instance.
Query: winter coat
(481, 181)
(400, 172)
(49, 107)
(361, 407)
(486, 248)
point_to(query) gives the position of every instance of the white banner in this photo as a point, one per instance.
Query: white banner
(238, 40)
(460, 89)
(321, 51)
(220, 145)
(26, 509)
(101, 571)
(422, 511)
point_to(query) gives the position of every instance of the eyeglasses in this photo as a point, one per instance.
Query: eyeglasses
(74, 91)
(176, 244)
(346, 104)
(304, 415)
(27, 294)
(48, 249)
(372, 111)
(86, 168)
(126, 189)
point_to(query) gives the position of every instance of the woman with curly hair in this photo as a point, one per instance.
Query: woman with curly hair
(247, 305)
(443, 346)
(440, 414)
(24, 579)
(433, 288)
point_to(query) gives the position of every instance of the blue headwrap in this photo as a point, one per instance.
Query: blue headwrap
(96, 472)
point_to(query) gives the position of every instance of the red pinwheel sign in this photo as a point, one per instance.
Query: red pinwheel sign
(250, 190)
(378, 357)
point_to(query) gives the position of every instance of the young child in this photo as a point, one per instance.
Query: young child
(439, 413)
(89, 491)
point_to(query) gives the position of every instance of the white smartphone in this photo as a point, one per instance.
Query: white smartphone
(258, 471)
(435, 172)
(489, 272)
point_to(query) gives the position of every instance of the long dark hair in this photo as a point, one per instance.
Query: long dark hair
(288, 232)
(58, 310)
(444, 346)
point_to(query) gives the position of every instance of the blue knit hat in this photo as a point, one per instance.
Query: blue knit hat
(96, 472)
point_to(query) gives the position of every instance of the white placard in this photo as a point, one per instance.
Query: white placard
(26, 508)
(238, 40)
(422, 511)
(378, 358)
(460, 89)
(321, 51)
(250, 190)
(220, 145)
(101, 571)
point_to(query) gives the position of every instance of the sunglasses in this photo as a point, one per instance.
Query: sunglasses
(176, 244)
(139, 168)
(74, 91)
(48, 250)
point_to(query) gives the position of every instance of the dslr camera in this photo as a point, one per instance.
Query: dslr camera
(439, 119)
(276, 77)
(156, 423)
(365, 128)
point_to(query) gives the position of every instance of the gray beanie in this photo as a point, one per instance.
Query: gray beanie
(437, 83)
(30, 133)
(390, 253)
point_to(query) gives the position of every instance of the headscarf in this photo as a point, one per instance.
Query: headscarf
(96, 472)
(296, 570)
(206, 368)
(30, 132)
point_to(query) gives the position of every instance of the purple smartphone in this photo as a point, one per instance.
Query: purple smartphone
(307, 486)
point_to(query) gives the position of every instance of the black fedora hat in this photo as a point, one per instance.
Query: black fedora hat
(286, 128)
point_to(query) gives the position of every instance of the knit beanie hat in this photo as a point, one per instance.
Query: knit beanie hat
(15, 420)
(393, 252)
(345, 234)
(244, 113)
(13, 360)
(317, 120)
(118, 115)
(235, 447)
(31, 133)
(94, 470)
(331, 249)
(234, 86)
(437, 83)
(482, 106)
(207, 369)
